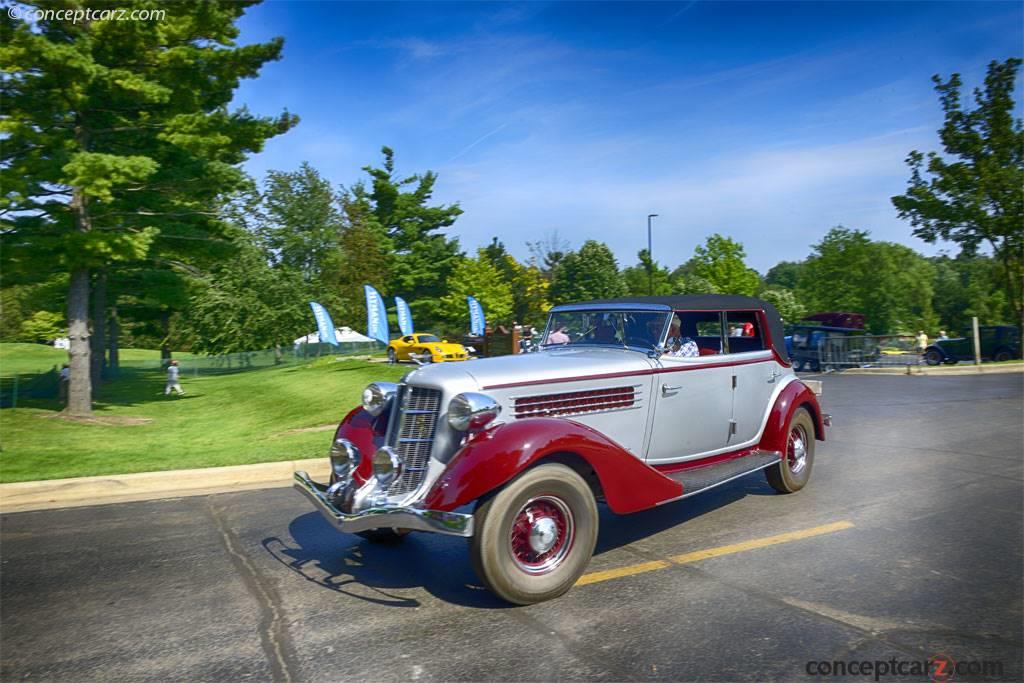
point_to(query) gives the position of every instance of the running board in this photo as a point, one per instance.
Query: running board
(700, 479)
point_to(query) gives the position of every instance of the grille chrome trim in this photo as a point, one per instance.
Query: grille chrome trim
(578, 402)
(412, 435)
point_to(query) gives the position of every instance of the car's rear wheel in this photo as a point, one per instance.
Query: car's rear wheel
(1002, 356)
(392, 357)
(534, 538)
(794, 470)
(932, 357)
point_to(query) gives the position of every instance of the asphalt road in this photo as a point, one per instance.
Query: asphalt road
(926, 472)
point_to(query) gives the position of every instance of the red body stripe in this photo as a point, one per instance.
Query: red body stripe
(631, 373)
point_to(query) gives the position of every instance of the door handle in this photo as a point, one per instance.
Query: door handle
(667, 389)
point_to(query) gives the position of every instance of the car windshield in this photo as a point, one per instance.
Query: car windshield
(428, 338)
(643, 329)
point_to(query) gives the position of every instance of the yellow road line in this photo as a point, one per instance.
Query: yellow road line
(697, 555)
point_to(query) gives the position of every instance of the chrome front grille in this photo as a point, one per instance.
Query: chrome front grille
(412, 435)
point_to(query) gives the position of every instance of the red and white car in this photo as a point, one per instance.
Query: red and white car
(631, 402)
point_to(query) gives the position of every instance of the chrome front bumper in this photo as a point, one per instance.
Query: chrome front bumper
(394, 517)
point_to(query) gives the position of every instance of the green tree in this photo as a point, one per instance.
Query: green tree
(479, 278)
(786, 303)
(968, 286)
(116, 132)
(590, 273)
(423, 256)
(784, 274)
(647, 278)
(890, 284)
(302, 220)
(247, 304)
(973, 193)
(547, 253)
(43, 326)
(527, 282)
(720, 261)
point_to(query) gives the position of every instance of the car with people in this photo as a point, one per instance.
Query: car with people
(998, 343)
(630, 403)
(425, 348)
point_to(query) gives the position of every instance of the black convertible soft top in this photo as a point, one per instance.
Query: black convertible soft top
(702, 302)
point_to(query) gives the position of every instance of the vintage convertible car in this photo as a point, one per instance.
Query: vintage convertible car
(631, 402)
(425, 348)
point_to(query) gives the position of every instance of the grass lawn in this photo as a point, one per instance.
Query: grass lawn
(233, 419)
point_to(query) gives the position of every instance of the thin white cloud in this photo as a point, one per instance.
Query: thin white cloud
(477, 142)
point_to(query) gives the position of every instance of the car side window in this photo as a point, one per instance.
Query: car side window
(745, 333)
(695, 333)
(407, 340)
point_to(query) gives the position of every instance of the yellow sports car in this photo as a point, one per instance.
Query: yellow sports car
(425, 348)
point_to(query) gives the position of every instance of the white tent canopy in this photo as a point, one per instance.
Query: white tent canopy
(344, 335)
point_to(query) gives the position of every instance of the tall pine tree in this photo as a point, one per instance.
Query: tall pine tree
(118, 134)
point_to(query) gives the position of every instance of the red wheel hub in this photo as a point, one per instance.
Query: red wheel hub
(541, 535)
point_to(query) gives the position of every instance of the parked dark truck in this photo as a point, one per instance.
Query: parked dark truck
(998, 343)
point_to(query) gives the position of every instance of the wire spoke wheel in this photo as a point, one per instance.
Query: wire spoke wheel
(542, 535)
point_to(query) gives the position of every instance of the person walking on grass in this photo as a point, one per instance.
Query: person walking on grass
(173, 383)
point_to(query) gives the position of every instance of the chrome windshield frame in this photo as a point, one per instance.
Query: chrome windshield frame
(623, 308)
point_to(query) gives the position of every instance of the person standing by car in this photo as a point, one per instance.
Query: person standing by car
(173, 383)
(65, 382)
(922, 341)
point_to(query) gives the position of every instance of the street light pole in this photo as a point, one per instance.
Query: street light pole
(650, 255)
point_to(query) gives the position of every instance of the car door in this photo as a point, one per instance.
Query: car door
(406, 347)
(755, 375)
(692, 396)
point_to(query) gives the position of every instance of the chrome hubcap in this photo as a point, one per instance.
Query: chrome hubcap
(542, 535)
(797, 454)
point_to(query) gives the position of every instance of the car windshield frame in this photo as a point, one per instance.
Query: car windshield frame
(557, 316)
(422, 339)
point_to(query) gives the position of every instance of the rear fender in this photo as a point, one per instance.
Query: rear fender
(796, 395)
(495, 456)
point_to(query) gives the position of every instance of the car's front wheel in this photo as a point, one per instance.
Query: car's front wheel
(534, 538)
(932, 357)
(794, 470)
(1002, 356)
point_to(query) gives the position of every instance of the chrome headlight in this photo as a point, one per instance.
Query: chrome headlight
(345, 458)
(377, 397)
(472, 411)
(387, 466)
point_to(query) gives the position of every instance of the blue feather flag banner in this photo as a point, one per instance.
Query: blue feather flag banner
(404, 316)
(477, 321)
(376, 315)
(324, 324)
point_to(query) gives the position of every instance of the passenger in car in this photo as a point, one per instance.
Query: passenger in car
(678, 346)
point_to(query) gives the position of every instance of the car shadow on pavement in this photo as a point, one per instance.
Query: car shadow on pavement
(621, 530)
(381, 573)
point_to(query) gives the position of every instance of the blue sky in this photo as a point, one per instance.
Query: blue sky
(769, 122)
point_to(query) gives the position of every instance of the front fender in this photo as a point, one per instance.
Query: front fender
(367, 433)
(793, 397)
(495, 456)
